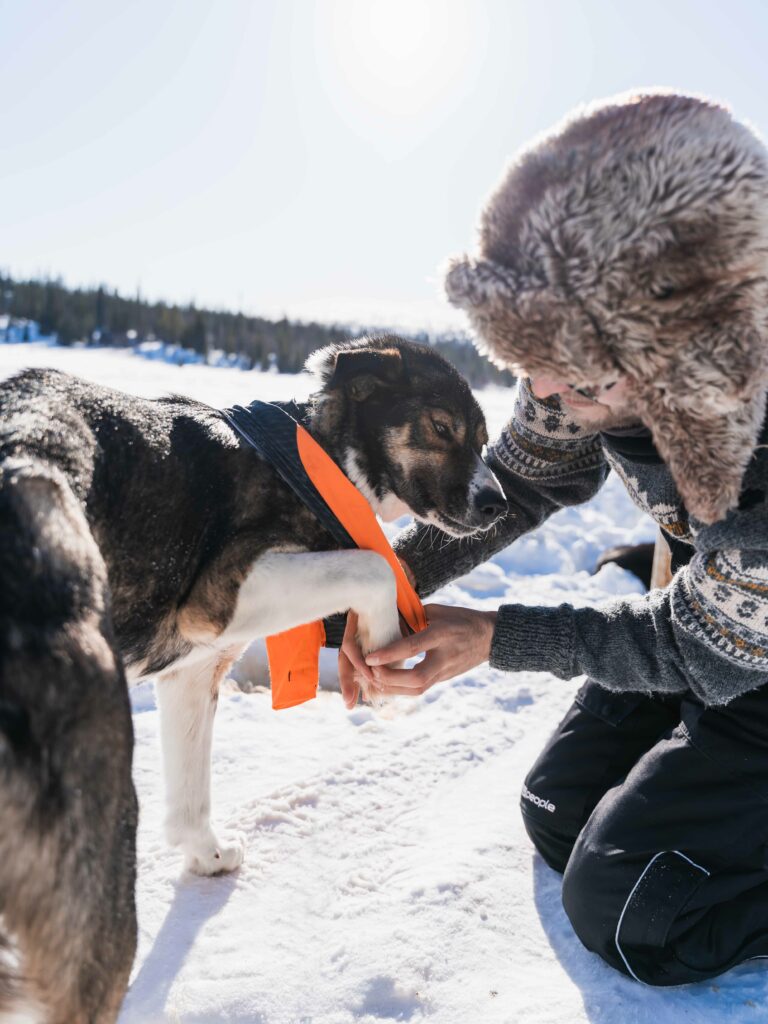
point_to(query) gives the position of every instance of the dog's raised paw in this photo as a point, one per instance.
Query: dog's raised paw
(375, 632)
(217, 855)
(374, 698)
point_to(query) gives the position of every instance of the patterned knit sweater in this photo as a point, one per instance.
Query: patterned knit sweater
(706, 632)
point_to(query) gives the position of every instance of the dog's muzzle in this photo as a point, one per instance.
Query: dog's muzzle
(487, 501)
(488, 506)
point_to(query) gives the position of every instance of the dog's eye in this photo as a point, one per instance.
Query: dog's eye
(441, 429)
(662, 292)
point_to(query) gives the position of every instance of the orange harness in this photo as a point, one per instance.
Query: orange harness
(331, 495)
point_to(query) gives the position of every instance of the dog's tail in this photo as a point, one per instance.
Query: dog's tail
(67, 804)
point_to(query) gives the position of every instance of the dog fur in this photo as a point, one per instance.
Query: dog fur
(143, 538)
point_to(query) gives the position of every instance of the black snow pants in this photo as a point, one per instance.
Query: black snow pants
(656, 810)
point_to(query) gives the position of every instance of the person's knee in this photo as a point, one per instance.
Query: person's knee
(584, 899)
(623, 908)
(587, 884)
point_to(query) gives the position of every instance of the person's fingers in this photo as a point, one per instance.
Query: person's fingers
(350, 688)
(350, 627)
(351, 696)
(407, 647)
(357, 660)
(352, 650)
(410, 679)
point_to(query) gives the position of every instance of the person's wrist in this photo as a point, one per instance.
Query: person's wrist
(488, 622)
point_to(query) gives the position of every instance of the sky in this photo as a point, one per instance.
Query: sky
(319, 159)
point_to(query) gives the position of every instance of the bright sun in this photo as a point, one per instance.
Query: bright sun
(400, 56)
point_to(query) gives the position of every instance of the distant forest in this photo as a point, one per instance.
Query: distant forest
(103, 316)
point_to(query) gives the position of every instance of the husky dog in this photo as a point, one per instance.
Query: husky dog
(143, 538)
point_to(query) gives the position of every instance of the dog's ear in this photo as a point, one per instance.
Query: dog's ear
(362, 370)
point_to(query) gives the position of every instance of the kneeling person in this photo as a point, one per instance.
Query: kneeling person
(622, 273)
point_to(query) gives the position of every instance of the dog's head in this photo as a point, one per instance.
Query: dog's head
(407, 430)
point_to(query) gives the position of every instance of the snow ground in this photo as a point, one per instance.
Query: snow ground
(388, 876)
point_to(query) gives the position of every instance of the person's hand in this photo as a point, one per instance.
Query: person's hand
(351, 663)
(456, 640)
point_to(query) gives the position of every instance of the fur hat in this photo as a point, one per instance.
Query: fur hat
(633, 240)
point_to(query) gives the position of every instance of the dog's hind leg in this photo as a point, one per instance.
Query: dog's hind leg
(187, 699)
(67, 803)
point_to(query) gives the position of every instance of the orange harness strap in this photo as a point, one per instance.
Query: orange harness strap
(294, 654)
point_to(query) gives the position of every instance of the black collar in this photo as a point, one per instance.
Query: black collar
(270, 429)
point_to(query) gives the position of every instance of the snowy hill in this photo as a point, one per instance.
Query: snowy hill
(388, 876)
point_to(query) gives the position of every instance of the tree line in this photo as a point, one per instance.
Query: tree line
(101, 315)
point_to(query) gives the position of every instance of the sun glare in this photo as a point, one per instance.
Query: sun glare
(398, 57)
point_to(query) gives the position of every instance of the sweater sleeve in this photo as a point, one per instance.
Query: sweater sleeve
(707, 631)
(543, 460)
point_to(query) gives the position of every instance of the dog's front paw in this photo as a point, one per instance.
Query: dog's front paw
(375, 698)
(371, 639)
(375, 631)
(210, 854)
(378, 620)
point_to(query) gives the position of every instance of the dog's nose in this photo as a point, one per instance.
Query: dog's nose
(490, 503)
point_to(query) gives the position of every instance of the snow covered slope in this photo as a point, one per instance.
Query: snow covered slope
(388, 877)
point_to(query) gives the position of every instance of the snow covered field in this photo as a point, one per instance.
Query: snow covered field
(388, 876)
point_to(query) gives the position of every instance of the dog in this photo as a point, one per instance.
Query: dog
(144, 538)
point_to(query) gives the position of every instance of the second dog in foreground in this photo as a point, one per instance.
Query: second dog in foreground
(142, 538)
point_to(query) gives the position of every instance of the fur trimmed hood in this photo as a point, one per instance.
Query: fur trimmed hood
(633, 240)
